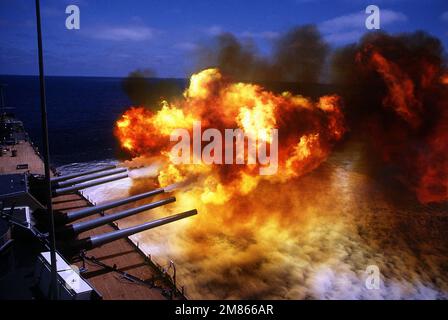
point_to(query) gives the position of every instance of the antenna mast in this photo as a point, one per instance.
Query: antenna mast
(46, 154)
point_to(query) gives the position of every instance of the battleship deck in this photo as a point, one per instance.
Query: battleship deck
(120, 254)
(25, 155)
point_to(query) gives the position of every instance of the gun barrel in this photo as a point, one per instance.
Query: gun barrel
(99, 240)
(75, 215)
(83, 178)
(88, 184)
(77, 228)
(74, 175)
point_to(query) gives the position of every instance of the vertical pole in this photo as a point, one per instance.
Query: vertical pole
(2, 101)
(43, 107)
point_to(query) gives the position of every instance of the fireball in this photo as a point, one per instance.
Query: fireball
(307, 131)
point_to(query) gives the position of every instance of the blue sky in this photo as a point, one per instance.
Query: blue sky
(117, 37)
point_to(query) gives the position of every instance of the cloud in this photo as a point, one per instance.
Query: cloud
(214, 30)
(187, 46)
(344, 37)
(444, 16)
(350, 27)
(389, 17)
(129, 33)
(267, 35)
(357, 20)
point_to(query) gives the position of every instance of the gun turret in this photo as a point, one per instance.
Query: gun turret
(63, 218)
(76, 228)
(91, 183)
(99, 240)
(86, 177)
(75, 175)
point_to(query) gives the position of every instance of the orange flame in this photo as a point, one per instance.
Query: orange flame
(444, 79)
(306, 129)
(420, 145)
(401, 95)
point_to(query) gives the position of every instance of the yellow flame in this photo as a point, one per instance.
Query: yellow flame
(170, 118)
(199, 83)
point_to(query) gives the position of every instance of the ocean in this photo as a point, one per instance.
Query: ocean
(81, 114)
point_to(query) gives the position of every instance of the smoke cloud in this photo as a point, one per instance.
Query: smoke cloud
(298, 55)
(144, 89)
(314, 236)
(395, 96)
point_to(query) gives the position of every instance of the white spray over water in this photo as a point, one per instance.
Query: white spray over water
(324, 258)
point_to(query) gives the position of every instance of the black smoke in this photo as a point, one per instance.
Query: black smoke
(297, 55)
(144, 89)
